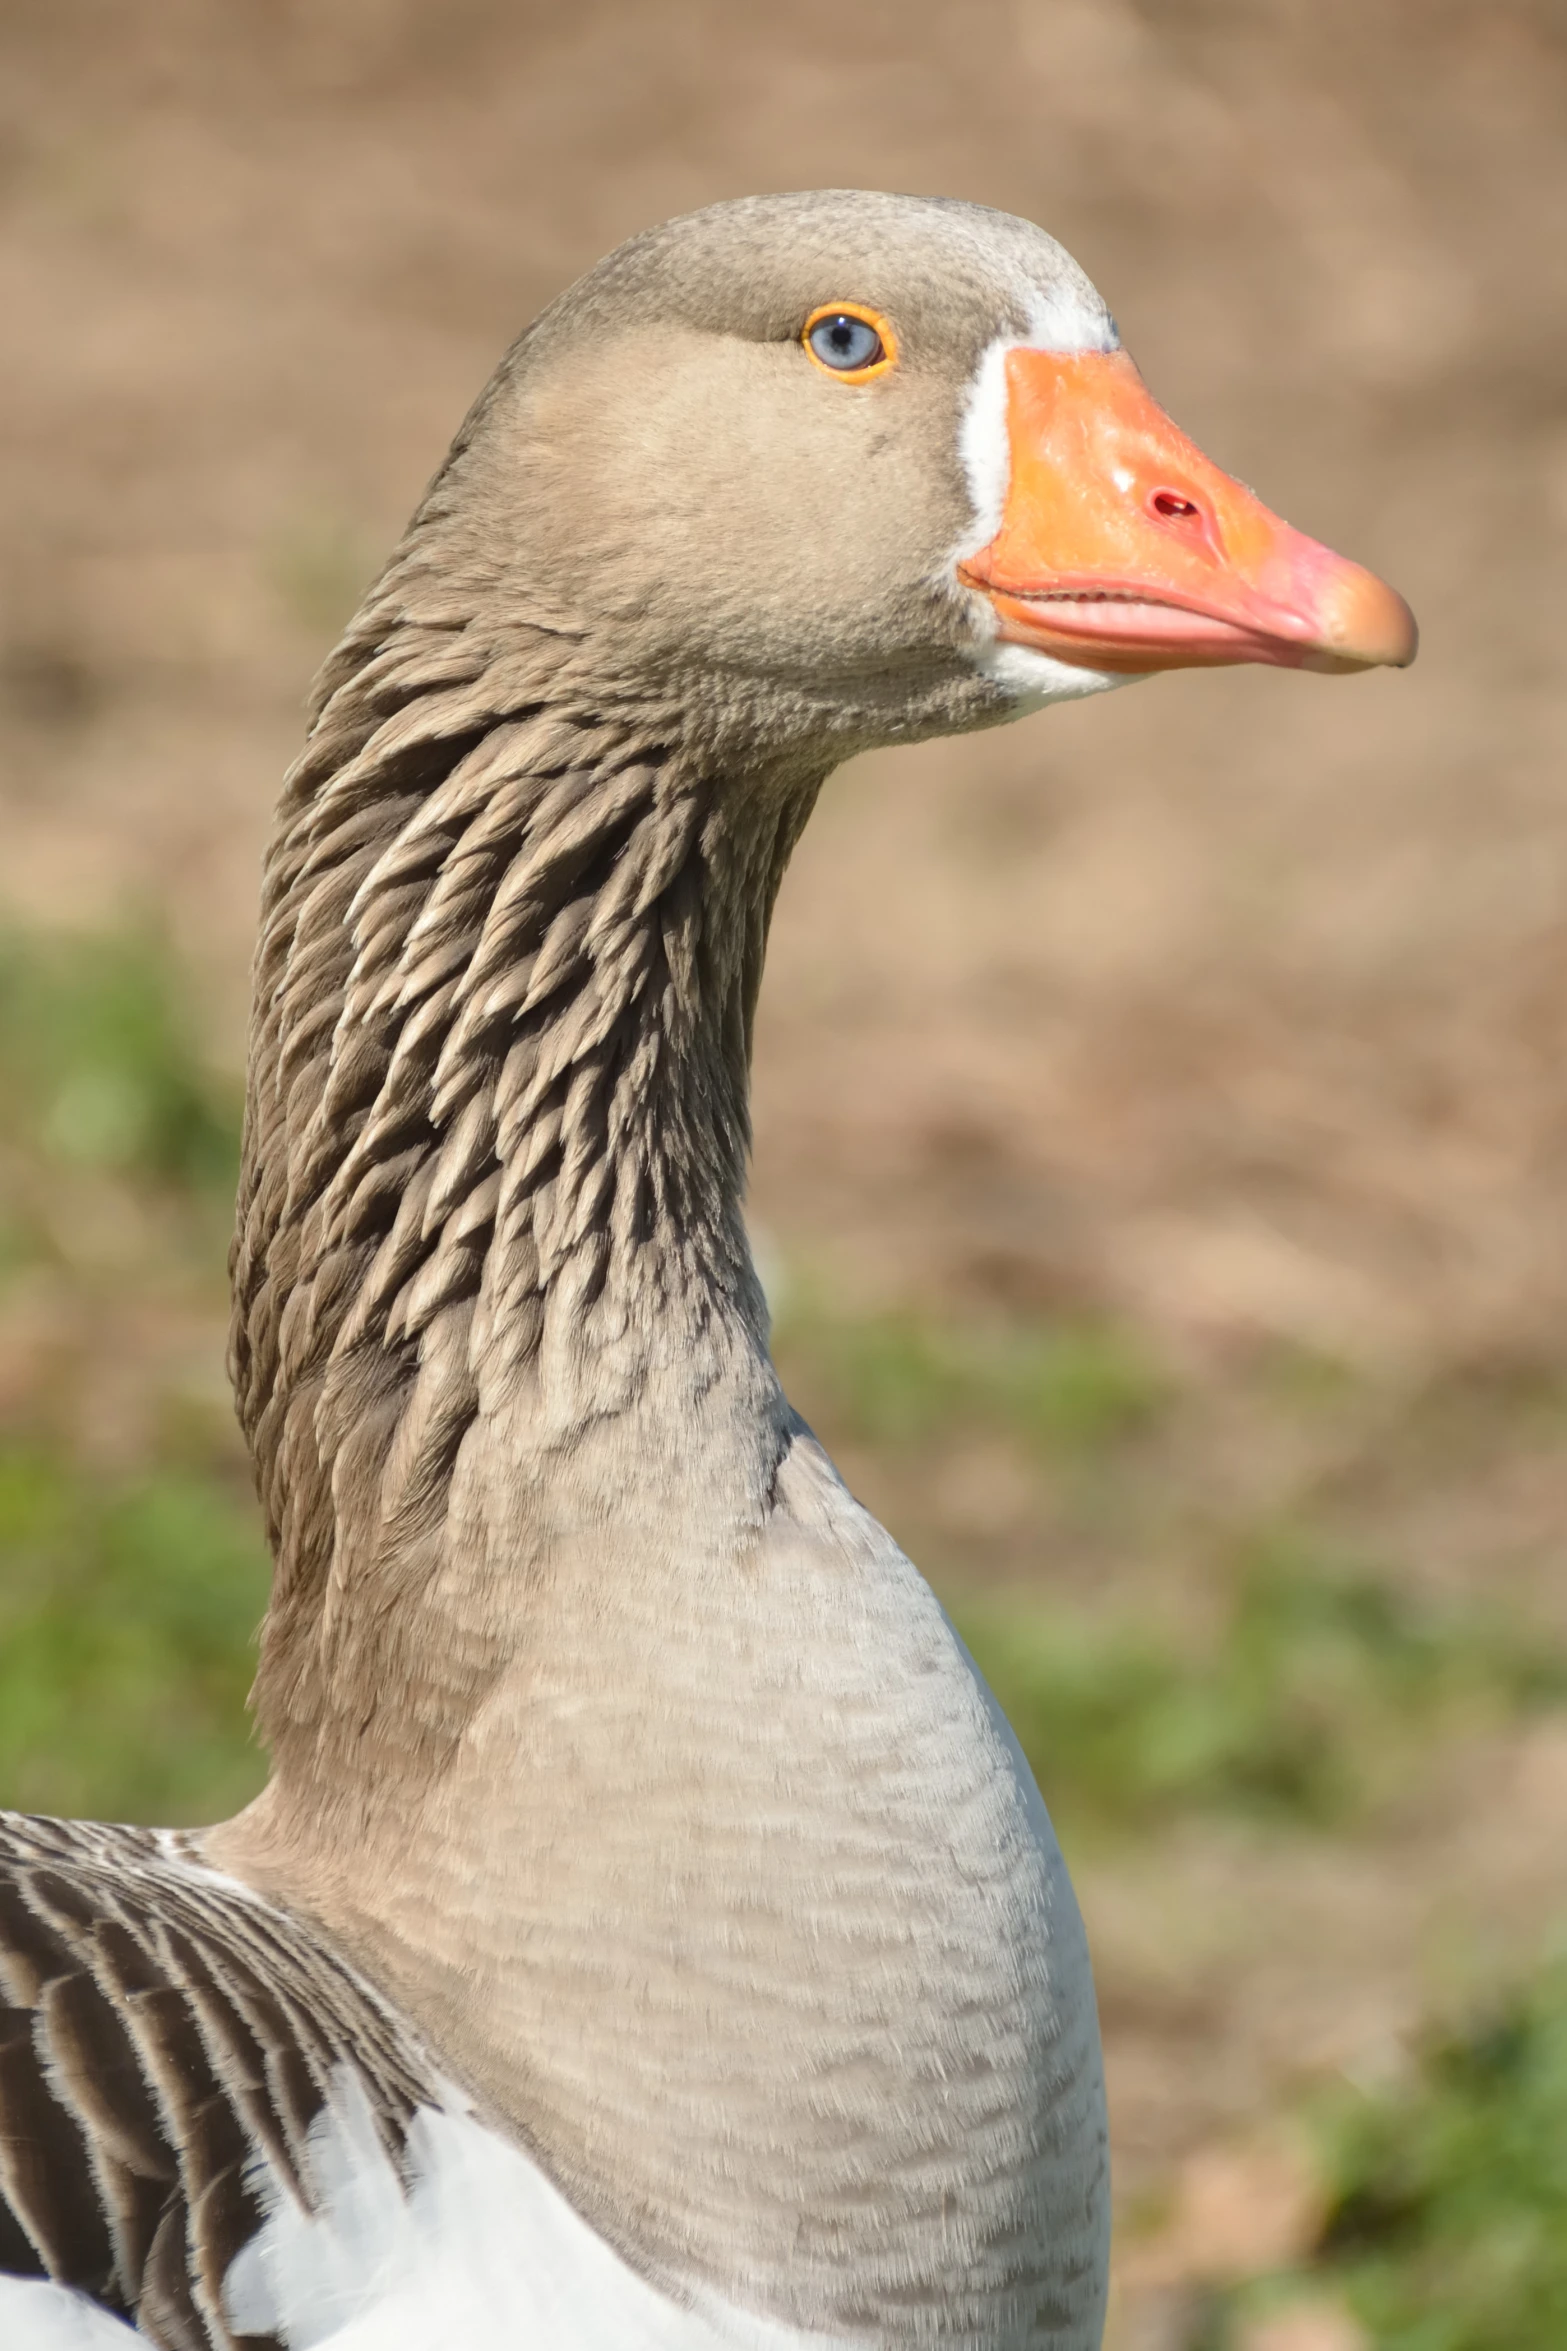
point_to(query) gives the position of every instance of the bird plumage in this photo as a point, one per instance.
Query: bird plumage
(650, 1934)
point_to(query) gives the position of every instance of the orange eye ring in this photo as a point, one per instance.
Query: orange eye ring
(877, 362)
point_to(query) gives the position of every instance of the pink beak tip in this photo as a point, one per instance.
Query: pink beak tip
(1365, 624)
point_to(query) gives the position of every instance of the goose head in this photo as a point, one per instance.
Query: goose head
(845, 467)
(773, 483)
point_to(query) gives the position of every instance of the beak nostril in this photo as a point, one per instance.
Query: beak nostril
(1172, 506)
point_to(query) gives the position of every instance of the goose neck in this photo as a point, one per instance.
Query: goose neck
(496, 1141)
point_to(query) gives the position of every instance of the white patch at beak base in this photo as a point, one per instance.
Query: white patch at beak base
(1064, 319)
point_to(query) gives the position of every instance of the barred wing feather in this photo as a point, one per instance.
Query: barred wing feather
(167, 2042)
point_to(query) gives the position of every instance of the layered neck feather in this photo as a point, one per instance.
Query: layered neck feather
(512, 936)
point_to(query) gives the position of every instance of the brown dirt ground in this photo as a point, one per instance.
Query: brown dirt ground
(1230, 1005)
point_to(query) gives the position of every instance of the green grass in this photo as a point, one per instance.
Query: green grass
(1320, 1687)
(1446, 2225)
(99, 1068)
(128, 1595)
(1308, 1695)
(900, 1380)
(319, 568)
(126, 1615)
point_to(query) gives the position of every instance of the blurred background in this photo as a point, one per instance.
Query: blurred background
(1160, 1105)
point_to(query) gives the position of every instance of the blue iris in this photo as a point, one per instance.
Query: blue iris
(845, 342)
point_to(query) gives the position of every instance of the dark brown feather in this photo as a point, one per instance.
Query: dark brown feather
(166, 2042)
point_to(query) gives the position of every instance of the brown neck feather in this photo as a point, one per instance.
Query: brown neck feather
(497, 1118)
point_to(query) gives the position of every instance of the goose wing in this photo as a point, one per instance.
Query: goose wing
(166, 2039)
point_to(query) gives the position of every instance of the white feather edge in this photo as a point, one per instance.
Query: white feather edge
(35, 2316)
(481, 2250)
(478, 2251)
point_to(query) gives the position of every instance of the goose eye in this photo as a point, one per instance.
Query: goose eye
(849, 343)
(845, 342)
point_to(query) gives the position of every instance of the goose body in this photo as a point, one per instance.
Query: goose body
(651, 1934)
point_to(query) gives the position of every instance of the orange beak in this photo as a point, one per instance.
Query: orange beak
(1122, 548)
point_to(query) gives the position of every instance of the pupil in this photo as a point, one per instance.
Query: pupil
(845, 341)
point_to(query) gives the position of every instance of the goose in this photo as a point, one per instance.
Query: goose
(650, 1934)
